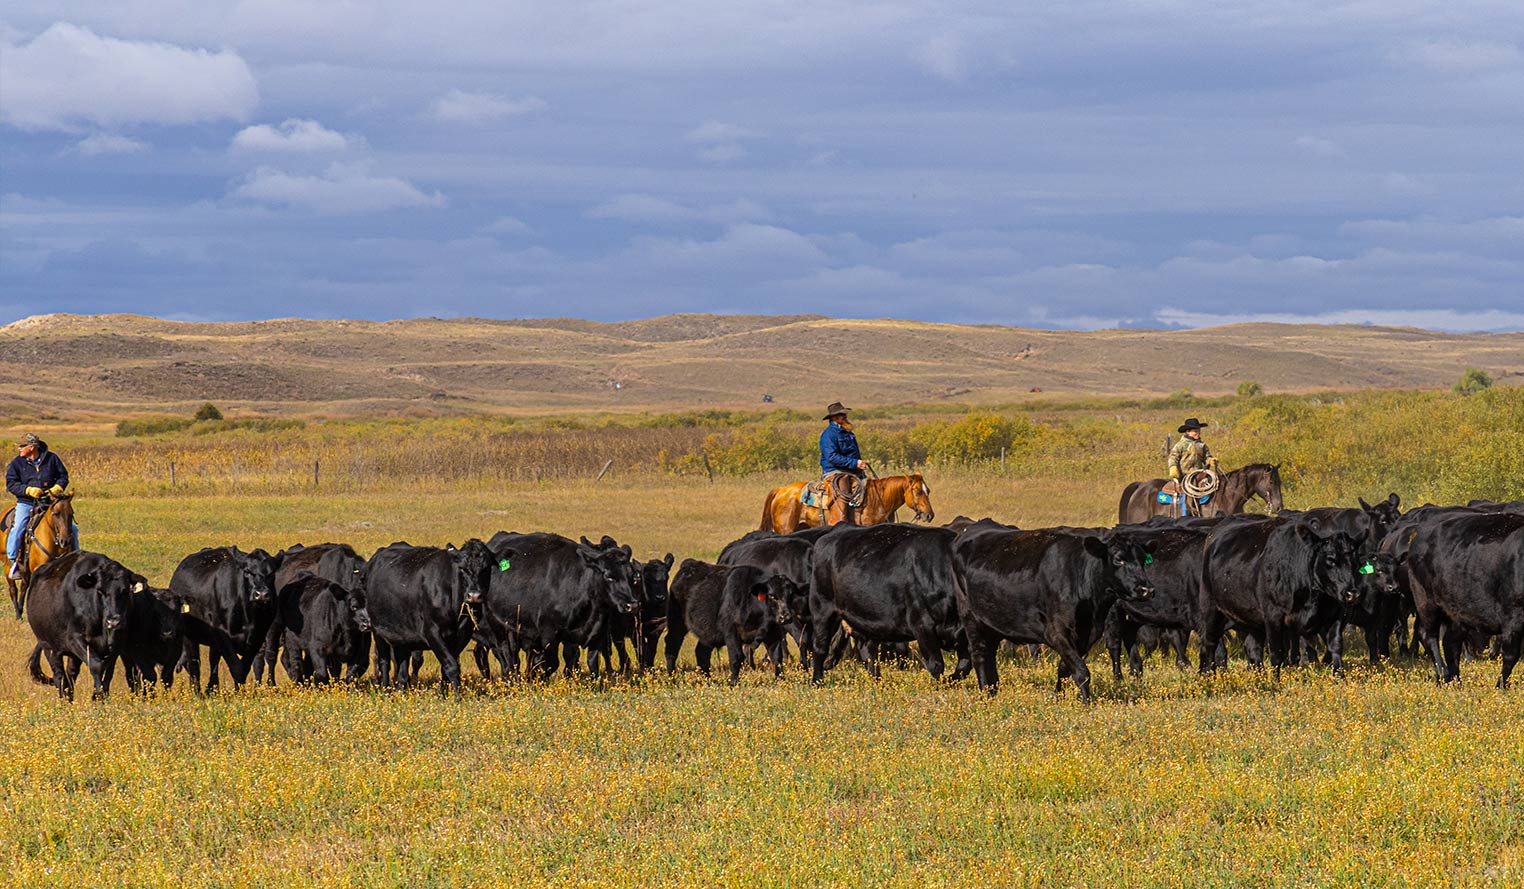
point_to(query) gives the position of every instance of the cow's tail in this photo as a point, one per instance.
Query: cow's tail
(34, 666)
(767, 511)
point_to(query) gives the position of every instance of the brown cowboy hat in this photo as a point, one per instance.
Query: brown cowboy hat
(1192, 423)
(28, 439)
(836, 408)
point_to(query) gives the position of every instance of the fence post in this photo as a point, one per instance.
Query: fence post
(314, 475)
(603, 470)
(707, 468)
(1002, 459)
(171, 473)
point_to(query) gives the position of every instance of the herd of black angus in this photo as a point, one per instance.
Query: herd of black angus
(1288, 584)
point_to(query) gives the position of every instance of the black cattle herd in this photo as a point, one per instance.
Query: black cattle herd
(1288, 585)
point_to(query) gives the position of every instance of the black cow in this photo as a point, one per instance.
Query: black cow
(231, 595)
(886, 584)
(790, 555)
(727, 605)
(557, 592)
(653, 578)
(1174, 569)
(155, 638)
(424, 598)
(78, 607)
(326, 627)
(1048, 586)
(1467, 574)
(1281, 580)
(337, 562)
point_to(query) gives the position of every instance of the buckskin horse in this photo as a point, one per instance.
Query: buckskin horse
(783, 512)
(1140, 500)
(51, 537)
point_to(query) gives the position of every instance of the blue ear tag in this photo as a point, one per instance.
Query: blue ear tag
(502, 565)
(1367, 568)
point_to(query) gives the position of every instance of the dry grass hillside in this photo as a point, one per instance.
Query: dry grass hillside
(81, 365)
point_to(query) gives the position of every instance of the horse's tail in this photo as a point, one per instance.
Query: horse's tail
(1127, 493)
(767, 511)
(34, 666)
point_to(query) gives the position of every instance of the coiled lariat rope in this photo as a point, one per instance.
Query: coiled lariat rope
(1200, 483)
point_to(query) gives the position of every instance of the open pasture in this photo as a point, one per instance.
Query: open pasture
(1376, 779)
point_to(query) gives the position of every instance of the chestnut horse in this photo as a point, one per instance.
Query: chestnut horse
(1140, 501)
(53, 535)
(783, 513)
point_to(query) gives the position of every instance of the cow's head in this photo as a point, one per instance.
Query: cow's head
(354, 601)
(115, 587)
(1382, 516)
(473, 564)
(651, 581)
(613, 577)
(776, 592)
(169, 611)
(1335, 563)
(1382, 573)
(1124, 564)
(259, 569)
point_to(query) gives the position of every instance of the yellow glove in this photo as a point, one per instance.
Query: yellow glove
(1174, 472)
(1212, 463)
(34, 493)
(55, 490)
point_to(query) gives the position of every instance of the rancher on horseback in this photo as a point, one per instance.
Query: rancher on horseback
(1190, 454)
(838, 446)
(35, 476)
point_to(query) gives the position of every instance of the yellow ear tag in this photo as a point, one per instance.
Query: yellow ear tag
(185, 608)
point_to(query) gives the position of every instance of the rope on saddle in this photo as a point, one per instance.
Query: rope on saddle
(1200, 483)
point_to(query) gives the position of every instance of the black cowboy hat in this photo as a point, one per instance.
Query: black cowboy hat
(835, 408)
(1192, 423)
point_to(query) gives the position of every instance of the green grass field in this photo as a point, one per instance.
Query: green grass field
(1377, 779)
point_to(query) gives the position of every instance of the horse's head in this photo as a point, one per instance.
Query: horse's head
(918, 497)
(1268, 487)
(60, 520)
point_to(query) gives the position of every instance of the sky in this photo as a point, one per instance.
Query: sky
(1158, 163)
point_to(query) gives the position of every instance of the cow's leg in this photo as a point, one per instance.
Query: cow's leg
(1134, 651)
(931, 653)
(1275, 646)
(734, 649)
(1114, 643)
(190, 660)
(778, 651)
(677, 629)
(60, 674)
(982, 648)
(319, 668)
(1336, 648)
(483, 665)
(701, 654)
(867, 652)
(820, 642)
(134, 676)
(624, 657)
(965, 659)
(1509, 642)
(1454, 643)
(71, 666)
(549, 660)
(1178, 640)
(1254, 648)
(102, 667)
(1213, 624)
(383, 650)
(213, 658)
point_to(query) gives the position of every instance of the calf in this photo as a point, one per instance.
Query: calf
(1281, 579)
(155, 639)
(792, 556)
(729, 606)
(231, 595)
(887, 584)
(78, 607)
(424, 598)
(1045, 586)
(326, 628)
(1173, 556)
(337, 562)
(1467, 575)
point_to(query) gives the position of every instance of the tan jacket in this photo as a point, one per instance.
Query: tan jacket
(1189, 455)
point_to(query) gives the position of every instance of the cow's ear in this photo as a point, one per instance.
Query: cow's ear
(1393, 499)
(585, 542)
(1095, 546)
(89, 579)
(1363, 505)
(1149, 546)
(1402, 557)
(1308, 530)
(628, 553)
(588, 554)
(668, 560)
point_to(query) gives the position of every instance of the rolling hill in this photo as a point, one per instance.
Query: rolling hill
(109, 365)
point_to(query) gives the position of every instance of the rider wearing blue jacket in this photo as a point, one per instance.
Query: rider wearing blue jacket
(34, 475)
(838, 446)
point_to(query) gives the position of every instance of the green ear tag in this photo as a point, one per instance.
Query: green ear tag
(1367, 568)
(502, 565)
(1148, 558)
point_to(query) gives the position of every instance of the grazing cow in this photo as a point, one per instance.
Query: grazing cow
(652, 579)
(78, 607)
(887, 584)
(155, 639)
(1174, 569)
(337, 562)
(424, 598)
(231, 595)
(789, 555)
(326, 627)
(557, 592)
(1281, 580)
(730, 606)
(1047, 586)
(1467, 575)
